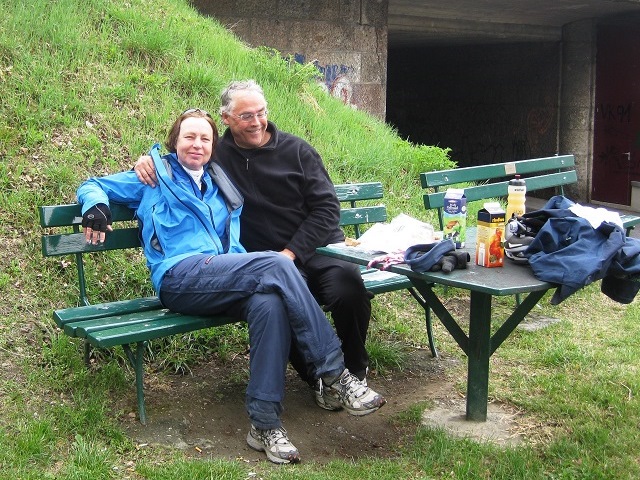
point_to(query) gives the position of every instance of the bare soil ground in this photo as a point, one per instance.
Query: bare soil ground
(204, 413)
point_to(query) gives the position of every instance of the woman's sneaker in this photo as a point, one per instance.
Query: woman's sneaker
(275, 443)
(352, 394)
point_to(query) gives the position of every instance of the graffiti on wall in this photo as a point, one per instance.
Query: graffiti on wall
(539, 126)
(616, 131)
(333, 78)
(618, 113)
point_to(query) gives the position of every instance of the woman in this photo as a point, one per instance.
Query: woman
(190, 232)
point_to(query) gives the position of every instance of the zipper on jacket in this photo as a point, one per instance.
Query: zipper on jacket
(213, 235)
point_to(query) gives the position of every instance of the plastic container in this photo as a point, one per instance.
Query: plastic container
(516, 198)
(454, 216)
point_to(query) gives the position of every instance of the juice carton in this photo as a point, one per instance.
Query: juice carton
(490, 235)
(454, 216)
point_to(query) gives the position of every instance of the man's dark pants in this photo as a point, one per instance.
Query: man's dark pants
(338, 287)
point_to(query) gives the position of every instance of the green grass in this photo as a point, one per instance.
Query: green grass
(86, 87)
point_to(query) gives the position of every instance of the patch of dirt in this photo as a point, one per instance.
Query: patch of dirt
(535, 322)
(204, 413)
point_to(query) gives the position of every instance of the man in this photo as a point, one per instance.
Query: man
(290, 207)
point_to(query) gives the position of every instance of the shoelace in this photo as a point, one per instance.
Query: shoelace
(353, 385)
(385, 261)
(278, 436)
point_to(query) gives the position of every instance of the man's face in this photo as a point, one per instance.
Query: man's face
(250, 133)
(195, 142)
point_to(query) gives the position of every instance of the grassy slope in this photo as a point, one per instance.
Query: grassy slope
(86, 85)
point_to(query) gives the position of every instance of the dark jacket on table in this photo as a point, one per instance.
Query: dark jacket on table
(286, 182)
(568, 251)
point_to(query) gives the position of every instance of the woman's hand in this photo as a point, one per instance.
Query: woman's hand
(96, 222)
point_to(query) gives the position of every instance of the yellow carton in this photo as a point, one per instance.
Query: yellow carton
(490, 235)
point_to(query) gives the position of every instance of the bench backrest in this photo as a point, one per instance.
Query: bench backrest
(70, 241)
(73, 242)
(360, 215)
(493, 180)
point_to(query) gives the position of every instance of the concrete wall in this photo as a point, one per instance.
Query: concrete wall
(577, 98)
(488, 103)
(345, 39)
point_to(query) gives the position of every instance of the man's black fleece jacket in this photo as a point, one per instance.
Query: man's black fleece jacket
(289, 200)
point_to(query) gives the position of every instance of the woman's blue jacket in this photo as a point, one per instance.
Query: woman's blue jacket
(176, 219)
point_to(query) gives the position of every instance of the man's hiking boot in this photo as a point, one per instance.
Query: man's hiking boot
(352, 394)
(275, 443)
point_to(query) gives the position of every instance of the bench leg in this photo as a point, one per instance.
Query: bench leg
(427, 319)
(137, 362)
(87, 352)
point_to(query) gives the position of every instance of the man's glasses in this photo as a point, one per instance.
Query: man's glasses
(247, 117)
(195, 110)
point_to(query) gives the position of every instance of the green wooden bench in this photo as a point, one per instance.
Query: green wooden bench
(491, 181)
(132, 323)
(375, 280)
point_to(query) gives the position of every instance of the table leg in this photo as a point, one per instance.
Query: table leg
(478, 356)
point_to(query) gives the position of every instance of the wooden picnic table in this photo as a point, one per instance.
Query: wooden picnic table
(483, 284)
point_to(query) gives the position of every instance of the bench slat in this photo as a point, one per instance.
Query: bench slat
(156, 329)
(377, 281)
(362, 215)
(359, 191)
(67, 215)
(500, 189)
(100, 310)
(68, 243)
(494, 170)
(83, 328)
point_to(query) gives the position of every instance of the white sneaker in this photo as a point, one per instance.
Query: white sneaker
(353, 394)
(275, 443)
(319, 391)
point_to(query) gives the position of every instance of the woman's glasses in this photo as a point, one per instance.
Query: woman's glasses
(195, 110)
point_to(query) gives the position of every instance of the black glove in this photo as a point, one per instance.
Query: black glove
(452, 260)
(97, 218)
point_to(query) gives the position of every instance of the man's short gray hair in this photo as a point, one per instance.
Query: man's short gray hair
(227, 95)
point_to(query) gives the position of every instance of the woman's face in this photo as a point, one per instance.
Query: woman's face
(195, 143)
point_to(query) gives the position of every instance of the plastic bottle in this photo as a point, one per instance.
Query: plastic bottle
(517, 197)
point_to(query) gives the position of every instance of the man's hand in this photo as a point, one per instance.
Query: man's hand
(96, 222)
(288, 253)
(145, 171)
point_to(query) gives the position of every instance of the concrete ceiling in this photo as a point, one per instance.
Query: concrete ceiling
(450, 22)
